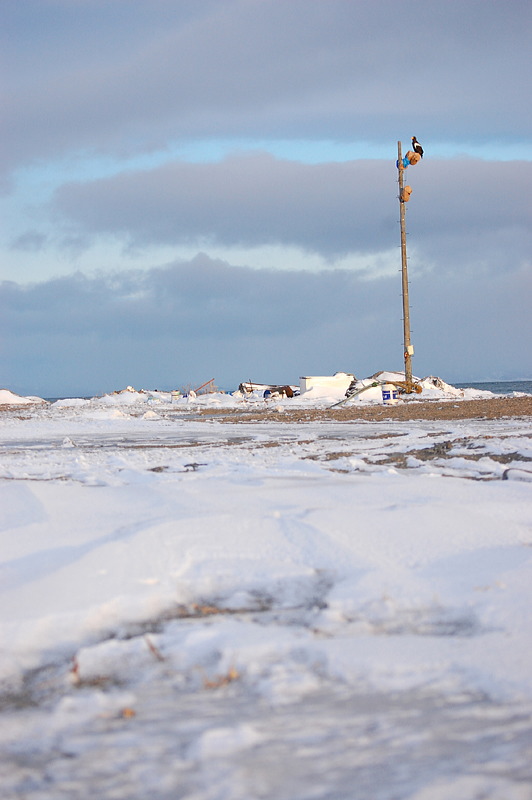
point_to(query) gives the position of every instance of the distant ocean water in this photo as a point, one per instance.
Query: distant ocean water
(498, 387)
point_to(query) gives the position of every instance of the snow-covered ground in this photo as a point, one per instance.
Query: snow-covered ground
(216, 610)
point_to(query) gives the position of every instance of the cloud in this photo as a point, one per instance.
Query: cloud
(117, 78)
(99, 85)
(32, 241)
(463, 213)
(191, 321)
(248, 200)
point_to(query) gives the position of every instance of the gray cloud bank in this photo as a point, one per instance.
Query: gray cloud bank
(192, 321)
(463, 212)
(251, 200)
(119, 78)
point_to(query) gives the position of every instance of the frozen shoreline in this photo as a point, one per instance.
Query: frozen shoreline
(188, 598)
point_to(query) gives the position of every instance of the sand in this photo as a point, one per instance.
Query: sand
(492, 408)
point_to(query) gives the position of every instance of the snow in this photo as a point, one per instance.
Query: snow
(223, 610)
(10, 398)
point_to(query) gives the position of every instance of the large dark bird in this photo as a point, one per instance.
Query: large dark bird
(416, 147)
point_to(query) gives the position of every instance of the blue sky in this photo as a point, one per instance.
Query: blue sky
(218, 177)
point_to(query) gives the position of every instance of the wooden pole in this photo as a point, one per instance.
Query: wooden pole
(408, 349)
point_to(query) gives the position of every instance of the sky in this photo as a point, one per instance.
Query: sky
(197, 189)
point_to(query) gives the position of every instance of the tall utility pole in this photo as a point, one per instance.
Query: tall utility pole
(408, 348)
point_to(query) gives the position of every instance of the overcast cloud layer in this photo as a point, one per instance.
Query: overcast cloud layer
(189, 322)
(116, 75)
(262, 133)
(331, 209)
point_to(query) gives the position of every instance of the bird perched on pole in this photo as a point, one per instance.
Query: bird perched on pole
(416, 147)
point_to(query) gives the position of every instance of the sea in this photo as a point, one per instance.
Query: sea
(498, 387)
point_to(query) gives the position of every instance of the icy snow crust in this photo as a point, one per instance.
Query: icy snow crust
(212, 610)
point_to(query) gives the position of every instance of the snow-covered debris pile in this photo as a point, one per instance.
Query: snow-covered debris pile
(207, 400)
(431, 386)
(265, 390)
(130, 397)
(8, 398)
(315, 391)
(71, 402)
(375, 388)
(434, 387)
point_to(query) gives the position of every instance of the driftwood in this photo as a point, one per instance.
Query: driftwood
(203, 385)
